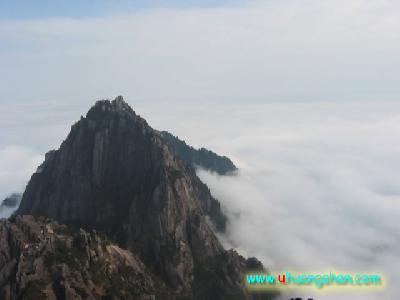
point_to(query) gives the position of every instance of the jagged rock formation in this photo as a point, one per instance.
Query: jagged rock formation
(199, 157)
(40, 259)
(114, 173)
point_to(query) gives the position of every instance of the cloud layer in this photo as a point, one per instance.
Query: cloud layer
(318, 184)
(17, 164)
(318, 188)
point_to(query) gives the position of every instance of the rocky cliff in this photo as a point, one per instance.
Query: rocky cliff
(199, 157)
(40, 259)
(114, 173)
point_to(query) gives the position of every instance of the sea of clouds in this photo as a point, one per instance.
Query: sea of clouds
(317, 191)
(317, 188)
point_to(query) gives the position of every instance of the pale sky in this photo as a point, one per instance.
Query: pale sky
(229, 51)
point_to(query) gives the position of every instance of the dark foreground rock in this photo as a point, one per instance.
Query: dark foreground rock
(40, 259)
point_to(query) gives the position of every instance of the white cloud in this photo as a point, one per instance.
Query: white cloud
(318, 186)
(17, 164)
(318, 189)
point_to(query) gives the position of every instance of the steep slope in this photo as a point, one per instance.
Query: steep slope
(199, 157)
(116, 174)
(40, 259)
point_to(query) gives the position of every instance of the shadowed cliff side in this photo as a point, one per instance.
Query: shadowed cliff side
(199, 157)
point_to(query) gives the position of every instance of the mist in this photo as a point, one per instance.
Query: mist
(317, 189)
(17, 165)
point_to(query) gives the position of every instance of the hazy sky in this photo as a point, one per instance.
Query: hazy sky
(332, 50)
(303, 95)
(26, 9)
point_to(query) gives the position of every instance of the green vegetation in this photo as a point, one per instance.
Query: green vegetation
(34, 291)
(97, 271)
(72, 257)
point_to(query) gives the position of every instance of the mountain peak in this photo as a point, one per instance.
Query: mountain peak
(118, 105)
(116, 174)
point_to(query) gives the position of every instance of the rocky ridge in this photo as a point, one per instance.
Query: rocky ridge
(40, 259)
(116, 174)
(202, 157)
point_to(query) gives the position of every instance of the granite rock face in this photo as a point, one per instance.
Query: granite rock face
(114, 173)
(199, 157)
(40, 259)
